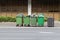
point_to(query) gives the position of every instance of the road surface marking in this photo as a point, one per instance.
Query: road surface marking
(47, 32)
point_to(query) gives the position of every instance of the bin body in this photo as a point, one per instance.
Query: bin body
(50, 22)
(33, 21)
(19, 20)
(26, 21)
(40, 21)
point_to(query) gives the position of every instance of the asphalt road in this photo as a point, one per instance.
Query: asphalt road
(18, 33)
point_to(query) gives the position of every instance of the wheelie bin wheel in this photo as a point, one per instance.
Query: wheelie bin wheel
(17, 25)
(28, 25)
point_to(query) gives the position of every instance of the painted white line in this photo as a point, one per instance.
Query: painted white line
(47, 32)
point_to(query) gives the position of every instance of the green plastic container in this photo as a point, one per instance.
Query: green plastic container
(33, 21)
(26, 20)
(19, 20)
(41, 20)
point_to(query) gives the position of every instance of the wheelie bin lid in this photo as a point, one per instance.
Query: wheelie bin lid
(19, 15)
(27, 16)
(32, 15)
(41, 15)
(50, 17)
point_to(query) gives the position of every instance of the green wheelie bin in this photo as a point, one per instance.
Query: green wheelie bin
(41, 20)
(19, 20)
(26, 20)
(33, 21)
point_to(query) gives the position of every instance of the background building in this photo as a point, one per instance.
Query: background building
(48, 7)
(12, 7)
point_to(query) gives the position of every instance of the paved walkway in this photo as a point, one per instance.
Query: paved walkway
(13, 24)
(56, 24)
(7, 24)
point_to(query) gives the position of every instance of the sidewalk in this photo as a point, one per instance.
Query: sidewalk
(13, 24)
(56, 24)
(7, 24)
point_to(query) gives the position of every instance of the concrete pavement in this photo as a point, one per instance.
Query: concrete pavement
(13, 24)
(7, 24)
